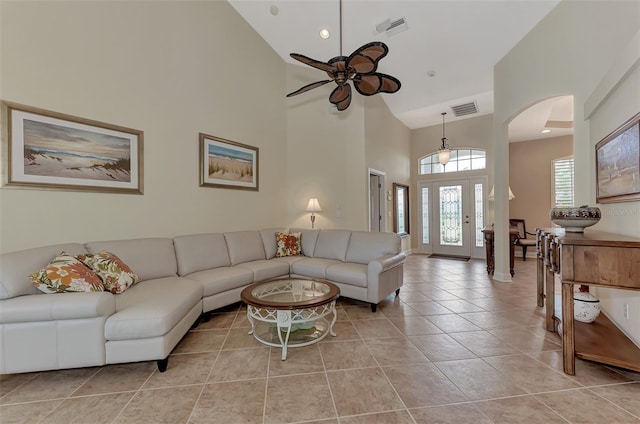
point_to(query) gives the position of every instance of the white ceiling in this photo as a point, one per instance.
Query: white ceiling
(459, 40)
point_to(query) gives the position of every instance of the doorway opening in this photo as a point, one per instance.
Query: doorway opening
(377, 204)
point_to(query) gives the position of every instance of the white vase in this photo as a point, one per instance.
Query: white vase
(586, 307)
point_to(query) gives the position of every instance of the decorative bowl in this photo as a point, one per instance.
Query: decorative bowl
(586, 307)
(575, 220)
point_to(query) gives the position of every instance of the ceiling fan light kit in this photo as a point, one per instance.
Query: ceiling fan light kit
(360, 68)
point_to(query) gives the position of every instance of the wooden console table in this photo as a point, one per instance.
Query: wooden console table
(490, 248)
(595, 259)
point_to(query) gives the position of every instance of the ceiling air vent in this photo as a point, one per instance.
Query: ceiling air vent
(465, 109)
(392, 28)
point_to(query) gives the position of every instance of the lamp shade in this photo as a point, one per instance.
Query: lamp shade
(492, 194)
(313, 205)
(443, 156)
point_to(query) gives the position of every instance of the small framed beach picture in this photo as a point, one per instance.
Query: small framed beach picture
(618, 164)
(50, 150)
(227, 164)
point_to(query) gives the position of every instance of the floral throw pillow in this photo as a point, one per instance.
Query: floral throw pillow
(288, 244)
(64, 274)
(115, 274)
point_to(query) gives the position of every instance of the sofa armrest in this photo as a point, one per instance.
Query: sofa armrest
(59, 306)
(384, 263)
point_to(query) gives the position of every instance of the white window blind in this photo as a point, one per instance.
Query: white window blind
(563, 182)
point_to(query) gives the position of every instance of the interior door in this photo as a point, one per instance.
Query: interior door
(452, 216)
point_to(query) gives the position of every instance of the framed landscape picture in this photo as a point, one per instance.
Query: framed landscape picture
(618, 164)
(51, 150)
(227, 164)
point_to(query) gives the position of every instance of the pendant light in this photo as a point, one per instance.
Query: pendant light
(443, 152)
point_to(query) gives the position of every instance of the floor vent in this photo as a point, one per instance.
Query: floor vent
(465, 109)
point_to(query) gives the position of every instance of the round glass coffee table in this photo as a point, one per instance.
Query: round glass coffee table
(291, 312)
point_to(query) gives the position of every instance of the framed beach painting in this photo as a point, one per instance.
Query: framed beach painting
(618, 164)
(51, 150)
(227, 164)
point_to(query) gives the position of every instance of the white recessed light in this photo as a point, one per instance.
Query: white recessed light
(324, 33)
(274, 10)
(546, 131)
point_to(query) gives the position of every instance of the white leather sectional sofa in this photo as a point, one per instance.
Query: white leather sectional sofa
(180, 279)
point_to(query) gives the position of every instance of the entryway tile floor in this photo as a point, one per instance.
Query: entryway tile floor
(454, 347)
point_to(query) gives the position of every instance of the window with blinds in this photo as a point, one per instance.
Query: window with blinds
(562, 189)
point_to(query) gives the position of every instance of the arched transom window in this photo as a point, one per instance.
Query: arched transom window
(459, 160)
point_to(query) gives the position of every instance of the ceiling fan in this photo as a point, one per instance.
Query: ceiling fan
(359, 67)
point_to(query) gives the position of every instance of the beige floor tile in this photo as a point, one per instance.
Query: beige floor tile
(452, 323)
(478, 380)
(117, 378)
(191, 368)
(414, 325)
(50, 385)
(300, 360)
(240, 364)
(453, 414)
(285, 395)
(239, 339)
(344, 330)
(587, 373)
(233, 402)
(584, 407)
(437, 294)
(217, 321)
(531, 375)
(441, 347)
(413, 296)
(489, 320)
(393, 417)
(241, 320)
(372, 328)
(341, 314)
(626, 396)
(362, 391)
(423, 385)
(395, 351)
(344, 355)
(460, 306)
(396, 309)
(429, 308)
(201, 341)
(522, 409)
(525, 340)
(9, 382)
(483, 343)
(160, 406)
(100, 409)
(361, 312)
(27, 413)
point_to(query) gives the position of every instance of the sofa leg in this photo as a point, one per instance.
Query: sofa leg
(162, 364)
(397, 292)
(196, 322)
(206, 316)
(374, 307)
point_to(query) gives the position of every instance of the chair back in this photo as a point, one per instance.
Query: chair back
(519, 225)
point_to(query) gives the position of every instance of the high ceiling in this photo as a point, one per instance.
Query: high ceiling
(456, 41)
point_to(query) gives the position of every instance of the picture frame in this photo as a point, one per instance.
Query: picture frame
(55, 151)
(618, 164)
(228, 164)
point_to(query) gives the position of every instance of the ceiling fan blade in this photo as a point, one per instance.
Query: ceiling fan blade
(341, 96)
(314, 63)
(365, 59)
(370, 84)
(308, 87)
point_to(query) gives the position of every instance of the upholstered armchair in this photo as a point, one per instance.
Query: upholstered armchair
(523, 241)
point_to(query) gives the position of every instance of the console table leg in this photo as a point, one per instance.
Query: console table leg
(550, 301)
(540, 281)
(568, 340)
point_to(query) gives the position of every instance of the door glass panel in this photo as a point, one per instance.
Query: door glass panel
(479, 214)
(451, 215)
(425, 215)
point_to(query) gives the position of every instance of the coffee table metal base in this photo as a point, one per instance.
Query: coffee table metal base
(291, 327)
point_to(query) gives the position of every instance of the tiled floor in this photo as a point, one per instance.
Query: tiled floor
(453, 348)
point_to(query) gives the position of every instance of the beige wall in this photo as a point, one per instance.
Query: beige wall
(564, 55)
(530, 178)
(170, 69)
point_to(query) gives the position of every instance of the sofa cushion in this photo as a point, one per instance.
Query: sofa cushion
(288, 244)
(269, 240)
(312, 267)
(39, 308)
(200, 251)
(15, 267)
(151, 308)
(365, 247)
(115, 274)
(66, 273)
(308, 239)
(221, 279)
(244, 246)
(348, 273)
(150, 258)
(263, 270)
(332, 244)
